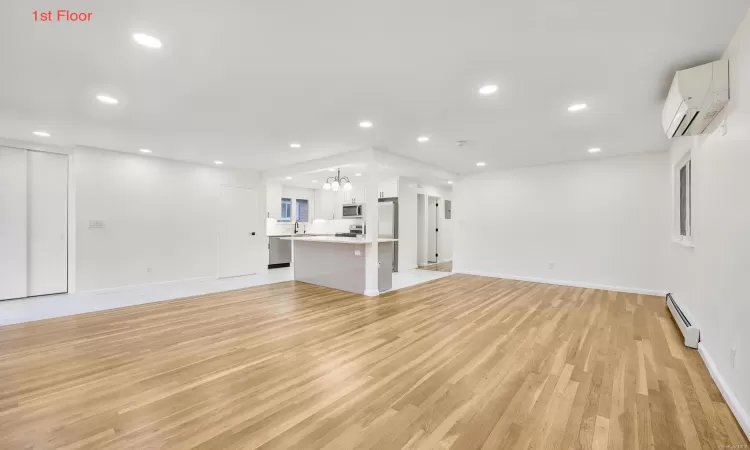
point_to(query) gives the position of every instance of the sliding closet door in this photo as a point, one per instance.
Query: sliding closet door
(47, 223)
(12, 223)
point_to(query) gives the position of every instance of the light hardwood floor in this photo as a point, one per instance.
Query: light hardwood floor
(440, 267)
(462, 362)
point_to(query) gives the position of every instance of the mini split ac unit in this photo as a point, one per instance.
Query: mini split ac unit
(696, 97)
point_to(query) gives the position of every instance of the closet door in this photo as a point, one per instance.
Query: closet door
(47, 223)
(12, 223)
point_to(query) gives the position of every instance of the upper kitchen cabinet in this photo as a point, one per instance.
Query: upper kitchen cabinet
(388, 188)
(273, 200)
(356, 195)
(326, 205)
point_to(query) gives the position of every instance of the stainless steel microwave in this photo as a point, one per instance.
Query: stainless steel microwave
(353, 211)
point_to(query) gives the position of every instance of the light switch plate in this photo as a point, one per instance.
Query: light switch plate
(357, 252)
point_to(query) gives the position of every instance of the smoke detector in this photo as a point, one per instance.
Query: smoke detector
(461, 143)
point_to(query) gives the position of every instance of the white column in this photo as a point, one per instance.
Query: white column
(371, 180)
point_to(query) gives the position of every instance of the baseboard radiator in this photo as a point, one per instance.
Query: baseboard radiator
(689, 331)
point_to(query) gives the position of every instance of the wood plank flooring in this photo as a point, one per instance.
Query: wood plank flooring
(439, 267)
(462, 362)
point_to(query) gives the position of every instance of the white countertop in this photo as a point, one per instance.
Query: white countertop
(335, 240)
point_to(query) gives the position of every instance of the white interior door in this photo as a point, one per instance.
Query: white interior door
(12, 223)
(239, 238)
(47, 223)
(432, 249)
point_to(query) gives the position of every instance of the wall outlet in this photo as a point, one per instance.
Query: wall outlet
(357, 252)
(733, 356)
(551, 265)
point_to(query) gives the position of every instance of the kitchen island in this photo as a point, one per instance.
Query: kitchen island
(340, 262)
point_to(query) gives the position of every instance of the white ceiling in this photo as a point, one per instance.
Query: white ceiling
(240, 80)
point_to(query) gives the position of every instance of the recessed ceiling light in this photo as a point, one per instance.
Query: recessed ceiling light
(365, 124)
(357, 174)
(488, 89)
(577, 107)
(423, 139)
(146, 40)
(295, 145)
(595, 150)
(218, 163)
(288, 178)
(145, 150)
(107, 99)
(481, 164)
(42, 133)
(450, 182)
(314, 181)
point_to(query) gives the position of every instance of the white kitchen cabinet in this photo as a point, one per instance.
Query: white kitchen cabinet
(388, 188)
(326, 205)
(356, 195)
(273, 200)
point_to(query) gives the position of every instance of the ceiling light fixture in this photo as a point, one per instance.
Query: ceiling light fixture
(450, 182)
(42, 133)
(314, 181)
(595, 150)
(336, 182)
(218, 163)
(423, 139)
(488, 89)
(357, 174)
(107, 99)
(288, 178)
(577, 107)
(481, 164)
(365, 124)
(295, 145)
(145, 150)
(146, 40)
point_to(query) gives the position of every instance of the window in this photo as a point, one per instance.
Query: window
(286, 210)
(683, 192)
(302, 210)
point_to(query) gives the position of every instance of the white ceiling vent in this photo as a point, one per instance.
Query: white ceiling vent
(695, 98)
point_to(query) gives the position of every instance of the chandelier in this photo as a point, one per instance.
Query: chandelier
(337, 182)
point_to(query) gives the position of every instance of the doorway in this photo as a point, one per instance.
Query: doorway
(432, 229)
(421, 230)
(239, 242)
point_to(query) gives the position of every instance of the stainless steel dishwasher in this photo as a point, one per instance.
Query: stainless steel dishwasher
(279, 252)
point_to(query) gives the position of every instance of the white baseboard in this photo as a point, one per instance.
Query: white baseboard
(131, 287)
(371, 292)
(563, 282)
(739, 412)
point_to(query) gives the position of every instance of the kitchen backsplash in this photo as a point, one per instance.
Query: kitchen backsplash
(318, 226)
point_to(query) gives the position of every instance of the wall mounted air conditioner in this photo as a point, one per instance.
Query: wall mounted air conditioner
(696, 97)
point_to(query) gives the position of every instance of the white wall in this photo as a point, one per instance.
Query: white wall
(158, 214)
(407, 226)
(601, 222)
(710, 280)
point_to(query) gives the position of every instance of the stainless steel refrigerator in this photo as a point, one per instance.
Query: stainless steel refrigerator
(388, 224)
